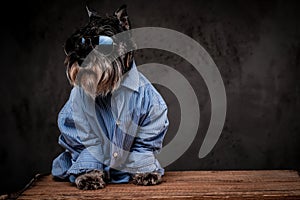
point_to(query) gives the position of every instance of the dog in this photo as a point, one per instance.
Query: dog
(130, 112)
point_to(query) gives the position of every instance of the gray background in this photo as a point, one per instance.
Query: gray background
(255, 44)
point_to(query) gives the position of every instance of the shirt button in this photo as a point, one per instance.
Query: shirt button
(115, 154)
(118, 122)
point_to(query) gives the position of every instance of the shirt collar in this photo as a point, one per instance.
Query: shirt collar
(131, 78)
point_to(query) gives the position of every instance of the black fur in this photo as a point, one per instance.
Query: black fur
(152, 178)
(90, 181)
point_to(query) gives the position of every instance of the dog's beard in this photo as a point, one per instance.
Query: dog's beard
(97, 75)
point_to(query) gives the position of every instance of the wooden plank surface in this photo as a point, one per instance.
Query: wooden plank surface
(263, 184)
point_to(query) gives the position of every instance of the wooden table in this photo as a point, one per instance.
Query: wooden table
(263, 184)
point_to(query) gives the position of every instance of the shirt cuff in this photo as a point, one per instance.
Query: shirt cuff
(85, 163)
(60, 165)
(142, 163)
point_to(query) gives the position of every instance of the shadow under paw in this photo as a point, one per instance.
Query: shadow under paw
(92, 180)
(152, 178)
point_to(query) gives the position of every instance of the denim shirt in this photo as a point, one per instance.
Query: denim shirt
(119, 133)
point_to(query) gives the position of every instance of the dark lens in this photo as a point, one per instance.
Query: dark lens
(95, 40)
(83, 40)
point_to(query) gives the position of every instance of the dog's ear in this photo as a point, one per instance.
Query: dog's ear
(91, 13)
(122, 16)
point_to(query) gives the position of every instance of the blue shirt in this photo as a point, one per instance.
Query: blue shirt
(119, 133)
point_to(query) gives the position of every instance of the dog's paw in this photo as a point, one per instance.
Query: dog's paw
(152, 178)
(92, 180)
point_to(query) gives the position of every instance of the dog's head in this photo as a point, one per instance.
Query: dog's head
(95, 59)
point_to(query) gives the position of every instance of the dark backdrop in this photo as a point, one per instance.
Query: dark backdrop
(255, 44)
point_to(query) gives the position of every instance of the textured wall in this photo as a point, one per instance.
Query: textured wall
(255, 44)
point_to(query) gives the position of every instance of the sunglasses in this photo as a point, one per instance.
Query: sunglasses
(102, 43)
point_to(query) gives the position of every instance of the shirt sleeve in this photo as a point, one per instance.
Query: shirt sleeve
(153, 125)
(82, 146)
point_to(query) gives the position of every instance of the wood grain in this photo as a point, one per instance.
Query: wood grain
(262, 184)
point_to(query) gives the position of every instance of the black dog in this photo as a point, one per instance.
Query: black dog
(104, 68)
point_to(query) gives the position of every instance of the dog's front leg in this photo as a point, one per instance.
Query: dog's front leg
(150, 178)
(92, 180)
